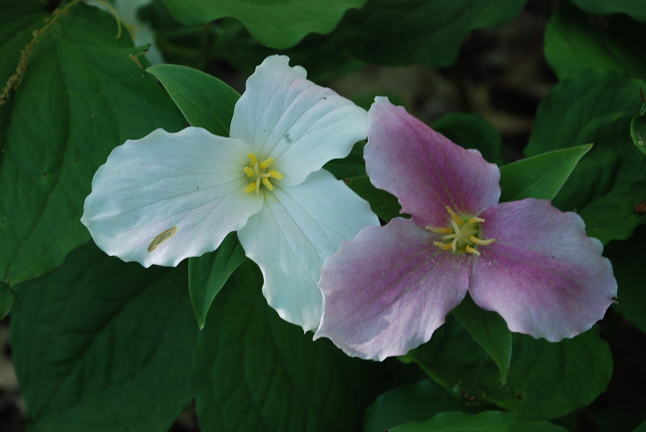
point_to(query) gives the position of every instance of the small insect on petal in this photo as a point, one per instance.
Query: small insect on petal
(161, 237)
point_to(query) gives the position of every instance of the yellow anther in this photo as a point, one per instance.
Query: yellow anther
(445, 230)
(248, 171)
(267, 183)
(444, 246)
(481, 242)
(250, 187)
(252, 158)
(475, 220)
(471, 250)
(449, 236)
(458, 220)
(275, 174)
(266, 163)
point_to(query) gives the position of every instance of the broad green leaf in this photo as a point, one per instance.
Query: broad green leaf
(638, 129)
(488, 421)
(607, 185)
(204, 100)
(276, 23)
(81, 95)
(381, 202)
(641, 427)
(473, 132)
(546, 380)
(634, 8)
(100, 345)
(255, 372)
(350, 166)
(208, 274)
(388, 32)
(490, 331)
(575, 44)
(628, 257)
(412, 402)
(7, 299)
(540, 176)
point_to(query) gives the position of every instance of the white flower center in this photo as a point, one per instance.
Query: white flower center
(462, 235)
(259, 174)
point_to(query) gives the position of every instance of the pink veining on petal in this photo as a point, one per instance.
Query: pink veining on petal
(424, 169)
(543, 275)
(387, 290)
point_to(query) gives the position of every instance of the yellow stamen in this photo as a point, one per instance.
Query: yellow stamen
(449, 236)
(250, 188)
(481, 242)
(267, 184)
(248, 171)
(471, 250)
(445, 230)
(444, 246)
(475, 220)
(252, 158)
(275, 174)
(266, 163)
(458, 220)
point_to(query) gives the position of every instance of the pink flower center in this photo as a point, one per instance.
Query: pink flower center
(462, 235)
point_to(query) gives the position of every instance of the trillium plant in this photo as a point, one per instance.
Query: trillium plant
(170, 196)
(391, 287)
(287, 216)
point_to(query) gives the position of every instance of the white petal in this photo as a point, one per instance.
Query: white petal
(189, 183)
(298, 228)
(298, 123)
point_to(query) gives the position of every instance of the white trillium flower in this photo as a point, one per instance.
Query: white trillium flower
(170, 196)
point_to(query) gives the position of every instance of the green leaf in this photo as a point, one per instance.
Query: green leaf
(204, 100)
(546, 380)
(575, 44)
(275, 23)
(208, 274)
(473, 132)
(102, 345)
(387, 32)
(490, 331)
(641, 427)
(634, 8)
(255, 372)
(488, 421)
(381, 202)
(638, 129)
(413, 402)
(607, 185)
(540, 176)
(628, 258)
(81, 96)
(7, 299)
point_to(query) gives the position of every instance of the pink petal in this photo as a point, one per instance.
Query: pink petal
(424, 169)
(543, 274)
(387, 290)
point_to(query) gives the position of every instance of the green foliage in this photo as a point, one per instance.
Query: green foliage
(81, 95)
(546, 380)
(255, 372)
(413, 402)
(387, 32)
(489, 421)
(634, 8)
(7, 299)
(627, 256)
(208, 274)
(575, 44)
(381, 202)
(607, 185)
(101, 345)
(638, 129)
(275, 23)
(471, 131)
(540, 176)
(204, 100)
(490, 331)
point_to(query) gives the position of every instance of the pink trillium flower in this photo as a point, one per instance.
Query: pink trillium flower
(386, 291)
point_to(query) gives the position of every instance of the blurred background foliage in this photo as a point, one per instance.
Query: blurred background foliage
(102, 345)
